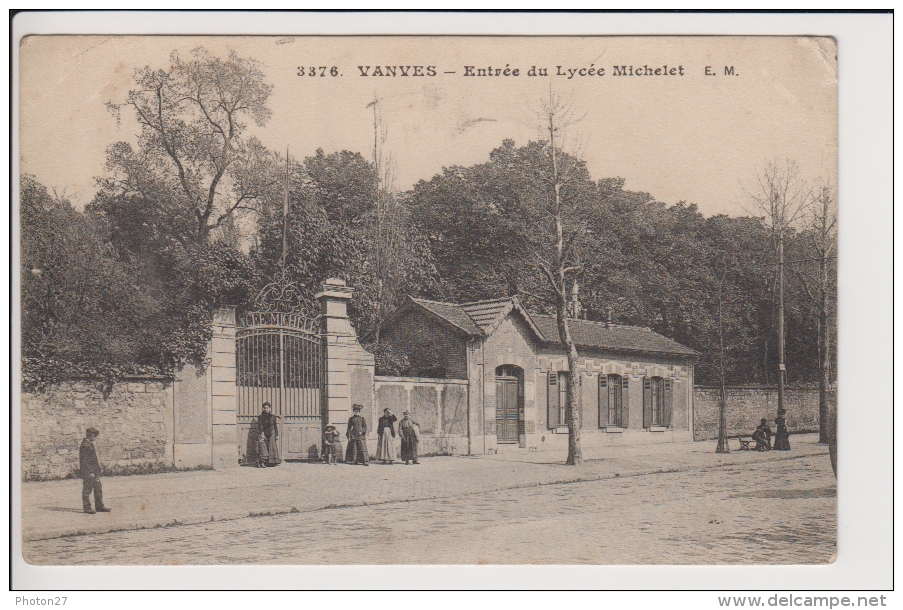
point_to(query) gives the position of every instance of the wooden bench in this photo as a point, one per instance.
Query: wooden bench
(744, 442)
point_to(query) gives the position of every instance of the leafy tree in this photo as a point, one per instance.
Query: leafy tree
(193, 168)
(82, 309)
(331, 234)
(517, 224)
(172, 203)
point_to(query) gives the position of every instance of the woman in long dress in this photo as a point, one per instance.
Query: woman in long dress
(409, 431)
(267, 426)
(385, 450)
(781, 435)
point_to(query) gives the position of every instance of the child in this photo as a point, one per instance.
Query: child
(262, 453)
(332, 446)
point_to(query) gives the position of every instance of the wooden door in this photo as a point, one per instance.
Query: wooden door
(506, 411)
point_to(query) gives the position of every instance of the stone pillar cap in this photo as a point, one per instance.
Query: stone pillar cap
(335, 288)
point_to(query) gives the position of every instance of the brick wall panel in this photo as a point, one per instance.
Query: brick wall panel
(434, 349)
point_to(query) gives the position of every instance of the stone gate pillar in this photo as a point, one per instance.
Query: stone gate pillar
(348, 367)
(223, 391)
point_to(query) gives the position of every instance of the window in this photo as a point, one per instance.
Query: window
(613, 401)
(557, 399)
(657, 401)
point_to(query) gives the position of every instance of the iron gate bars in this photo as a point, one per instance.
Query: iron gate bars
(279, 360)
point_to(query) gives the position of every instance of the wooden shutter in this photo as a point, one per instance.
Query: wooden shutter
(647, 402)
(603, 399)
(669, 403)
(579, 390)
(554, 404)
(625, 401)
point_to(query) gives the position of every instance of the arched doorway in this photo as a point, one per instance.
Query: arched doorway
(509, 404)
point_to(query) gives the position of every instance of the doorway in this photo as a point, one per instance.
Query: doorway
(509, 404)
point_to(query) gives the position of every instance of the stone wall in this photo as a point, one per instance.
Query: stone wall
(438, 405)
(134, 419)
(745, 407)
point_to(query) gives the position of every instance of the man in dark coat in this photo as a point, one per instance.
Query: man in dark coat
(89, 468)
(357, 438)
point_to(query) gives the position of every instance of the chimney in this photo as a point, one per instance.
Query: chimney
(575, 307)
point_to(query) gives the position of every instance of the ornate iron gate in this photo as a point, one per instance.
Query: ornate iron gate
(279, 359)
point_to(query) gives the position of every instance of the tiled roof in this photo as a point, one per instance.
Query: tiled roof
(612, 337)
(484, 313)
(452, 313)
(479, 318)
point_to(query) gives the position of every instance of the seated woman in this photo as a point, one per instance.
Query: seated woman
(761, 438)
(767, 430)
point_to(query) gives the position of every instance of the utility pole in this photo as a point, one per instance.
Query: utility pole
(782, 369)
(723, 446)
(282, 259)
(782, 196)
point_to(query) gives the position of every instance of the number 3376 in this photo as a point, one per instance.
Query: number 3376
(321, 71)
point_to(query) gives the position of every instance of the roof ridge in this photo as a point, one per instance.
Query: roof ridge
(607, 324)
(499, 300)
(419, 300)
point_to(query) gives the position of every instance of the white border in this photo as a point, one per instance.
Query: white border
(865, 515)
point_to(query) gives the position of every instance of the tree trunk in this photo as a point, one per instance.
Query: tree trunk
(823, 359)
(572, 413)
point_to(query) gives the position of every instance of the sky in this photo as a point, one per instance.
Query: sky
(691, 137)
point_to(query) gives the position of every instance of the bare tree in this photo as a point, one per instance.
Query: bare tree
(386, 225)
(554, 246)
(821, 236)
(782, 196)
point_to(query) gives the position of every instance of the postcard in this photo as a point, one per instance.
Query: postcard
(340, 300)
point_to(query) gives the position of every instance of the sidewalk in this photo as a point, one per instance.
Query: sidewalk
(52, 509)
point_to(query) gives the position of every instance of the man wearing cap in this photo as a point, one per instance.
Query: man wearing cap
(89, 467)
(357, 438)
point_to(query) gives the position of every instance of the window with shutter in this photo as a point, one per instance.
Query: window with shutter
(647, 402)
(625, 402)
(562, 399)
(656, 401)
(603, 399)
(614, 400)
(554, 405)
(668, 402)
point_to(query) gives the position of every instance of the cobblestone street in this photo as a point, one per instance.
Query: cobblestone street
(777, 511)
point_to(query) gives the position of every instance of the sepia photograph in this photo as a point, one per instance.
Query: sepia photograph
(327, 300)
